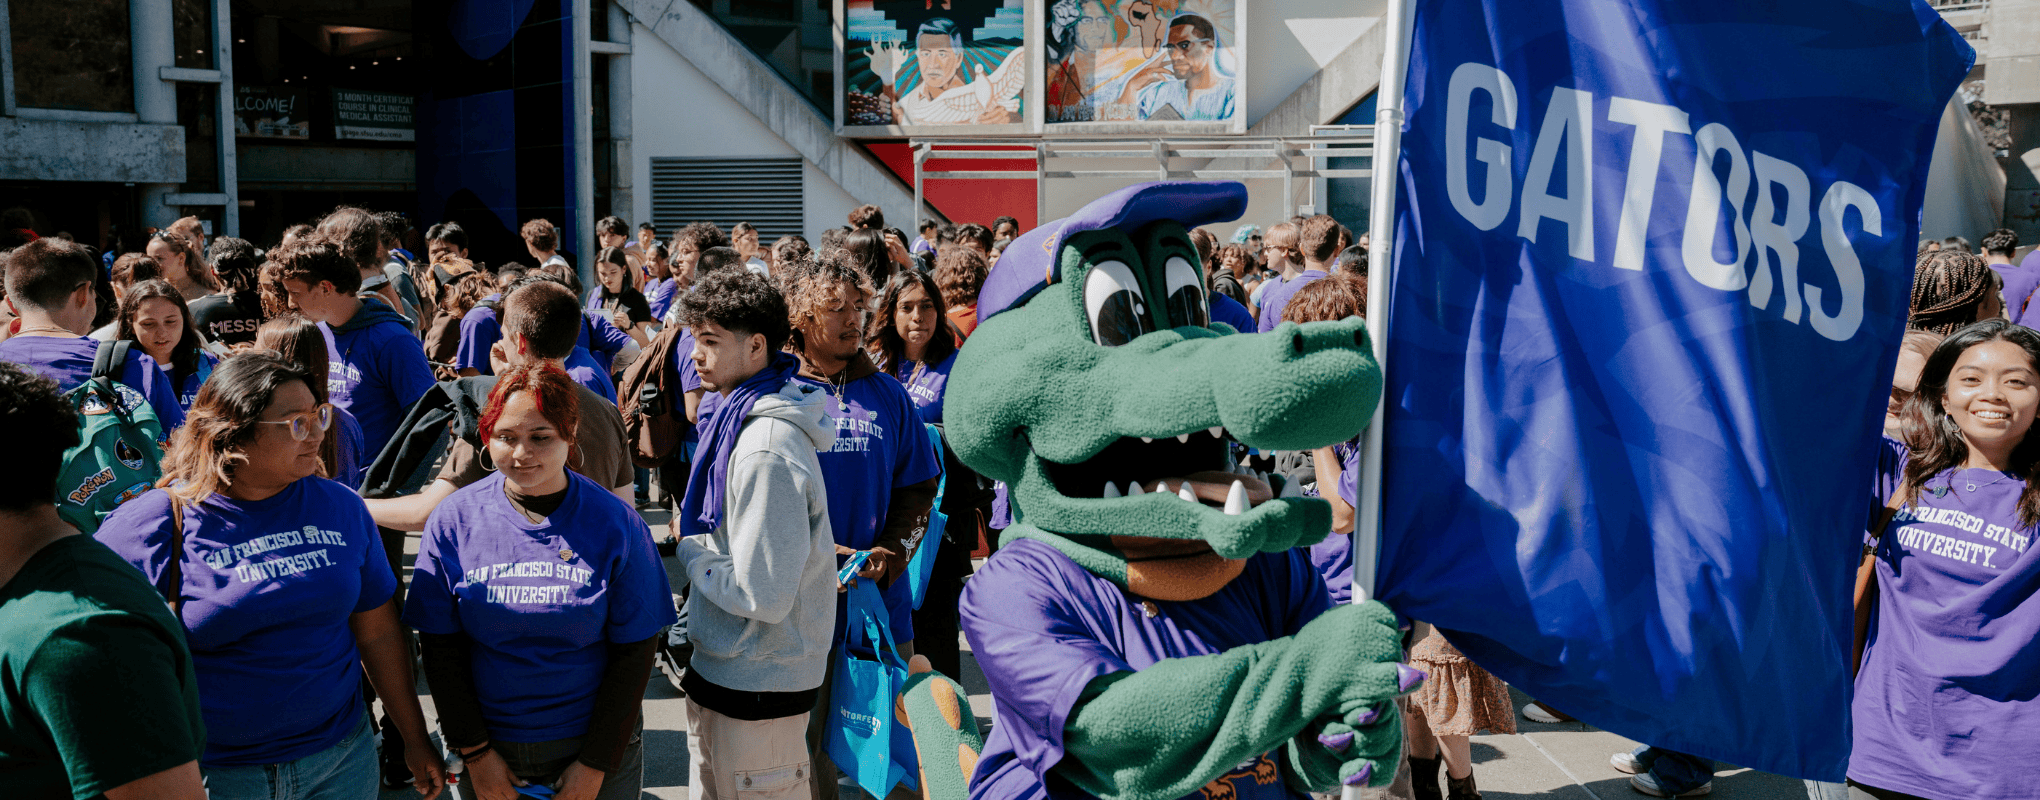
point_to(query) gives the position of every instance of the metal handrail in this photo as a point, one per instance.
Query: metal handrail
(1158, 152)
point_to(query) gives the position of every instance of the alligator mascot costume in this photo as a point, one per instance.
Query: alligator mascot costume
(1149, 626)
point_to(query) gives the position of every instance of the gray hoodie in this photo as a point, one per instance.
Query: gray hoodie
(762, 609)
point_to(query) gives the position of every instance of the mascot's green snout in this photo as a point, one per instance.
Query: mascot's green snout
(1149, 626)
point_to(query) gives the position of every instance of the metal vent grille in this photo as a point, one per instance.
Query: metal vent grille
(765, 192)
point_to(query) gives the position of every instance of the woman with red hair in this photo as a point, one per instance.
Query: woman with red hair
(538, 597)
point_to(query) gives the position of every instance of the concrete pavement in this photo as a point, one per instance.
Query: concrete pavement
(1567, 761)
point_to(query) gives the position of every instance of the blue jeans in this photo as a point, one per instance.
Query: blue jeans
(345, 771)
(1675, 772)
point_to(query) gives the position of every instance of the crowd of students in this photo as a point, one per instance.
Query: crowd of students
(799, 385)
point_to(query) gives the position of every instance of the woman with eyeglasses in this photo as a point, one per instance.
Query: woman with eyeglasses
(279, 578)
(301, 342)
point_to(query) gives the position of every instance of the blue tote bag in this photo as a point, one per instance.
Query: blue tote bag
(867, 740)
(921, 568)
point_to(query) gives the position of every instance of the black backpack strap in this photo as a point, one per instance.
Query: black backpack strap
(173, 573)
(111, 356)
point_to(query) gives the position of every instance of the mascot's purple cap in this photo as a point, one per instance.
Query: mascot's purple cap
(1029, 264)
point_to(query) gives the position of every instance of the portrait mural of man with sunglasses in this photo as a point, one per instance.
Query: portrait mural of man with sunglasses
(1142, 61)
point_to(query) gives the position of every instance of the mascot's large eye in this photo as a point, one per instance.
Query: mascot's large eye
(1114, 304)
(1186, 294)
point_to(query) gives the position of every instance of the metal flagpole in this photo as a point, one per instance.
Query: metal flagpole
(1388, 121)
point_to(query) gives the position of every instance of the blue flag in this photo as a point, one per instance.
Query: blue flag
(1653, 267)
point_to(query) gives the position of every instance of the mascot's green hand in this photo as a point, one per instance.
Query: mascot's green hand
(1167, 730)
(1356, 748)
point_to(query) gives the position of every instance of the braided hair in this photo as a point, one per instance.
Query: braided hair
(1949, 290)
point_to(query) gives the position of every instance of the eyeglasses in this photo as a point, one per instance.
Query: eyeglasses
(307, 425)
(1093, 22)
(1184, 46)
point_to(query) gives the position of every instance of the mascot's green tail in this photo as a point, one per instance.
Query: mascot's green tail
(946, 736)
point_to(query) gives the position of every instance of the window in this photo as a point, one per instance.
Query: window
(191, 26)
(72, 54)
(765, 192)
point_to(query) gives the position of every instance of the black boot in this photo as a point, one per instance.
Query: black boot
(1462, 788)
(1424, 778)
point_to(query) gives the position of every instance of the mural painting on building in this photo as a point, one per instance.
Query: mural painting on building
(1143, 61)
(917, 63)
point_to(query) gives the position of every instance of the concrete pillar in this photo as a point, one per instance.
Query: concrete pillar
(622, 197)
(580, 225)
(154, 47)
(222, 52)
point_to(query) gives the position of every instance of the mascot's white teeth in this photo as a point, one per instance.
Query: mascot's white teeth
(1188, 493)
(1236, 499)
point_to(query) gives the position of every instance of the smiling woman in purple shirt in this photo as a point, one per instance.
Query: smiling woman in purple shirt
(280, 581)
(1947, 689)
(537, 597)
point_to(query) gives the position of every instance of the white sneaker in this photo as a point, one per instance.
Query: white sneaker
(1539, 712)
(1625, 762)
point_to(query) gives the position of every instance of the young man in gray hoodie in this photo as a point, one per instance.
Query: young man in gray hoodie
(758, 551)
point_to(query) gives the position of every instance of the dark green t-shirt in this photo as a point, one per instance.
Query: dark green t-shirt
(96, 685)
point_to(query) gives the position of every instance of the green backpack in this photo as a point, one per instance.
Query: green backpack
(117, 458)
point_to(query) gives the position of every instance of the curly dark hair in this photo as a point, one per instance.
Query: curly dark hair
(817, 282)
(41, 427)
(313, 260)
(2003, 241)
(960, 271)
(738, 301)
(701, 236)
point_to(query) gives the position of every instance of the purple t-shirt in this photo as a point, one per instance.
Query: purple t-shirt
(602, 339)
(69, 362)
(2020, 283)
(380, 373)
(1333, 557)
(1277, 296)
(187, 390)
(1043, 628)
(659, 295)
(690, 380)
(347, 455)
(925, 385)
(582, 368)
(269, 587)
(541, 602)
(1950, 677)
(880, 446)
(479, 331)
